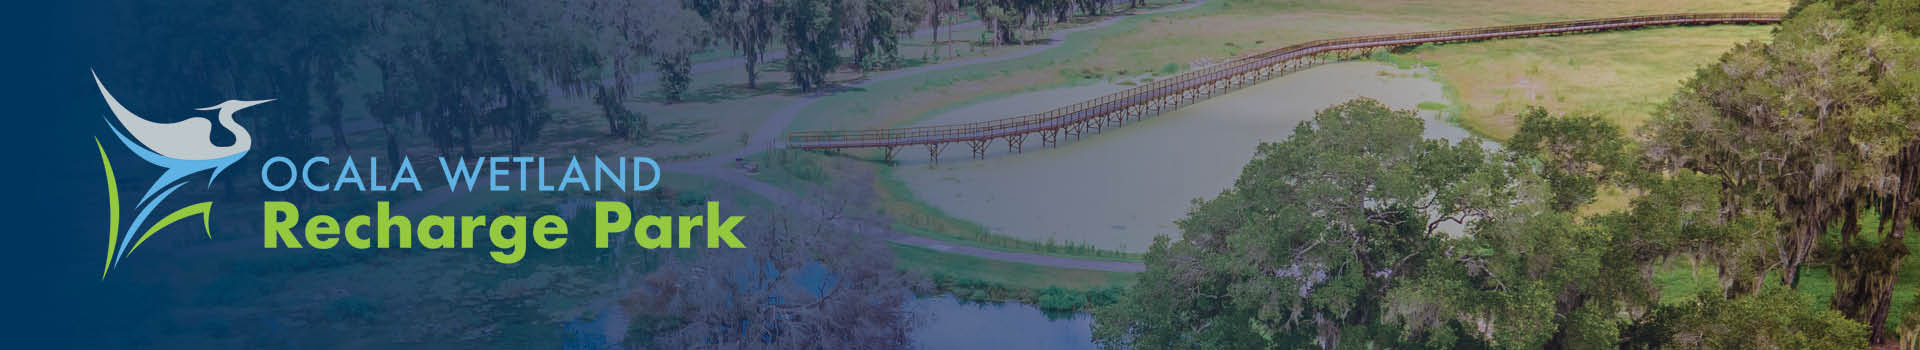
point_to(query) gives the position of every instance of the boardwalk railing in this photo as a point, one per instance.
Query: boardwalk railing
(1185, 88)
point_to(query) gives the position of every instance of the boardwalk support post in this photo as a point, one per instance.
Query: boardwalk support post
(933, 151)
(979, 147)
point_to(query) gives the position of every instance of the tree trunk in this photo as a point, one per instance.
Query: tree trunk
(393, 144)
(1568, 302)
(339, 132)
(1864, 276)
(1802, 235)
(1008, 34)
(466, 141)
(753, 72)
(1732, 283)
(1863, 284)
(1329, 332)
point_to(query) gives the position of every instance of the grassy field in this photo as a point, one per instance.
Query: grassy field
(1162, 44)
(715, 111)
(902, 100)
(808, 173)
(1478, 73)
(1015, 275)
(1621, 76)
(1679, 282)
(1224, 28)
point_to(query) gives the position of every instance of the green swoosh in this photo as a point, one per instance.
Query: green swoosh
(197, 209)
(113, 208)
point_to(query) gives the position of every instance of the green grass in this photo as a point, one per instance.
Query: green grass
(805, 173)
(1015, 275)
(1163, 43)
(1051, 289)
(916, 95)
(1621, 76)
(926, 94)
(1677, 283)
(914, 216)
(789, 168)
(1398, 61)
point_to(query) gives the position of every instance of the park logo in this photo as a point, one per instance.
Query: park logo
(181, 148)
(185, 148)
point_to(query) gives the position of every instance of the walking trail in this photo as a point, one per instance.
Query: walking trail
(719, 167)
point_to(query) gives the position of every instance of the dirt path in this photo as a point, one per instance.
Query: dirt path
(768, 135)
(718, 167)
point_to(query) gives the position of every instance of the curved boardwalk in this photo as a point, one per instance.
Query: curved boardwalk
(1185, 89)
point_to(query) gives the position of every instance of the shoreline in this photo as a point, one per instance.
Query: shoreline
(1014, 204)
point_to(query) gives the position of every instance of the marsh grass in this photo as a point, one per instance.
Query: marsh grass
(1618, 73)
(1621, 76)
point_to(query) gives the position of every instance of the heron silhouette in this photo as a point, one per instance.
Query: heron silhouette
(181, 148)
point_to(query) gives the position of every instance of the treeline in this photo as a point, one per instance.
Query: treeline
(816, 32)
(457, 73)
(1357, 233)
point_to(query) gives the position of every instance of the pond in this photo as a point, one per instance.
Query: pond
(1120, 189)
(946, 323)
(950, 323)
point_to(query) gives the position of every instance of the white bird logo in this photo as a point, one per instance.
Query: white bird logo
(182, 148)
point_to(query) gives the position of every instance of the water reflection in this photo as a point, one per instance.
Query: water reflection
(1045, 193)
(955, 324)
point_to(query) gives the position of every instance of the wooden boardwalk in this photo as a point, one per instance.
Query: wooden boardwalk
(1114, 110)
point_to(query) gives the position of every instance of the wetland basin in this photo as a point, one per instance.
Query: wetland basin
(955, 324)
(1118, 189)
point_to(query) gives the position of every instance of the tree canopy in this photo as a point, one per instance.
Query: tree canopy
(1816, 128)
(1313, 240)
(1355, 233)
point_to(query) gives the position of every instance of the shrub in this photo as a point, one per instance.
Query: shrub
(1059, 299)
